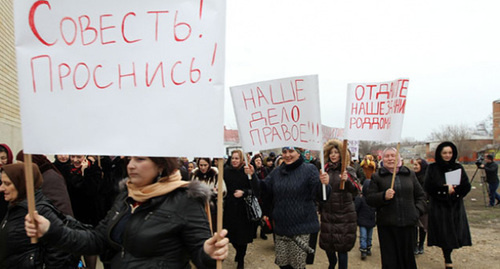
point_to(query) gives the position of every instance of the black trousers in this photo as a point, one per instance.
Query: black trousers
(396, 247)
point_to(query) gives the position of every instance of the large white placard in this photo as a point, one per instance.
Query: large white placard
(121, 77)
(278, 113)
(375, 111)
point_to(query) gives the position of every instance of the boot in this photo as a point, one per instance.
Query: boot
(241, 265)
(369, 251)
(363, 253)
(415, 251)
(421, 250)
(263, 235)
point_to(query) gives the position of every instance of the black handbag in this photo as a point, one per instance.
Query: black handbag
(254, 212)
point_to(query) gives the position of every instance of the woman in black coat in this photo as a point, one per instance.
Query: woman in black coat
(338, 214)
(241, 229)
(16, 250)
(398, 210)
(448, 227)
(158, 222)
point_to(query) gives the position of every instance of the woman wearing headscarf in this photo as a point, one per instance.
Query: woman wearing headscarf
(398, 210)
(235, 215)
(448, 227)
(290, 193)
(6, 157)
(54, 185)
(338, 214)
(158, 222)
(16, 250)
(420, 168)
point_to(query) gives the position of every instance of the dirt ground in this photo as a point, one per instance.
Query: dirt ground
(483, 254)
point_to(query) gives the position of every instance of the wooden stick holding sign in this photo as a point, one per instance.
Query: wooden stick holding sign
(344, 163)
(322, 158)
(395, 166)
(247, 164)
(30, 189)
(220, 190)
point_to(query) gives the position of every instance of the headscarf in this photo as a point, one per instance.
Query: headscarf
(16, 174)
(439, 160)
(423, 167)
(41, 160)
(163, 186)
(400, 160)
(10, 157)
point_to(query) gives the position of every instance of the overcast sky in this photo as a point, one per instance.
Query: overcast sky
(450, 51)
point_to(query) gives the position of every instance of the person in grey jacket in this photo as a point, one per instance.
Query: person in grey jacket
(398, 210)
(159, 222)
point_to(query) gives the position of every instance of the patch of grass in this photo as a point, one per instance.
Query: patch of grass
(478, 214)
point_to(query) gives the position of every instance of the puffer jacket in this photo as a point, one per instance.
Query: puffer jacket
(338, 214)
(408, 202)
(165, 232)
(16, 250)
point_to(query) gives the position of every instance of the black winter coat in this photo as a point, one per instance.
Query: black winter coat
(240, 229)
(338, 214)
(448, 226)
(16, 250)
(164, 232)
(84, 192)
(408, 203)
(366, 213)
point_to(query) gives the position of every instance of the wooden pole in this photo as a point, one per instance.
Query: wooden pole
(344, 163)
(30, 189)
(395, 166)
(220, 190)
(322, 158)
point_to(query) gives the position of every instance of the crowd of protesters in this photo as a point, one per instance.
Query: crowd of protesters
(404, 204)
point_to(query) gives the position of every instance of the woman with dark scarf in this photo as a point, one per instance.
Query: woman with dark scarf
(63, 164)
(338, 214)
(158, 222)
(398, 209)
(448, 224)
(420, 168)
(6, 157)
(16, 250)
(290, 193)
(54, 185)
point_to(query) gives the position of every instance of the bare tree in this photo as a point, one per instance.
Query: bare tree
(458, 134)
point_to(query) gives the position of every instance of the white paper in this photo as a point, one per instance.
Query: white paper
(453, 177)
(121, 77)
(279, 113)
(375, 111)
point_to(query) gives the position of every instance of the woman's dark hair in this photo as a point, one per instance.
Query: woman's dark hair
(205, 159)
(168, 164)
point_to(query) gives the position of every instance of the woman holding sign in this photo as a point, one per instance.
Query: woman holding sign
(338, 214)
(398, 210)
(158, 222)
(16, 250)
(448, 227)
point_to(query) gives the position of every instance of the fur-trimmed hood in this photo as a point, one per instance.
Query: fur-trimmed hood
(199, 191)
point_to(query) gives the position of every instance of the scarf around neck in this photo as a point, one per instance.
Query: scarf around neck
(163, 186)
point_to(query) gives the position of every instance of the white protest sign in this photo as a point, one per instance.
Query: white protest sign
(121, 77)
(278, 113)
(338, 133)
(375, 111)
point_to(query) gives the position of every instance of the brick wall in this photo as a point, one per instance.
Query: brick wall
(10, 120)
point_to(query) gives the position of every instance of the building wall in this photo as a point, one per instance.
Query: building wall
(496, 122)
(10, 120)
